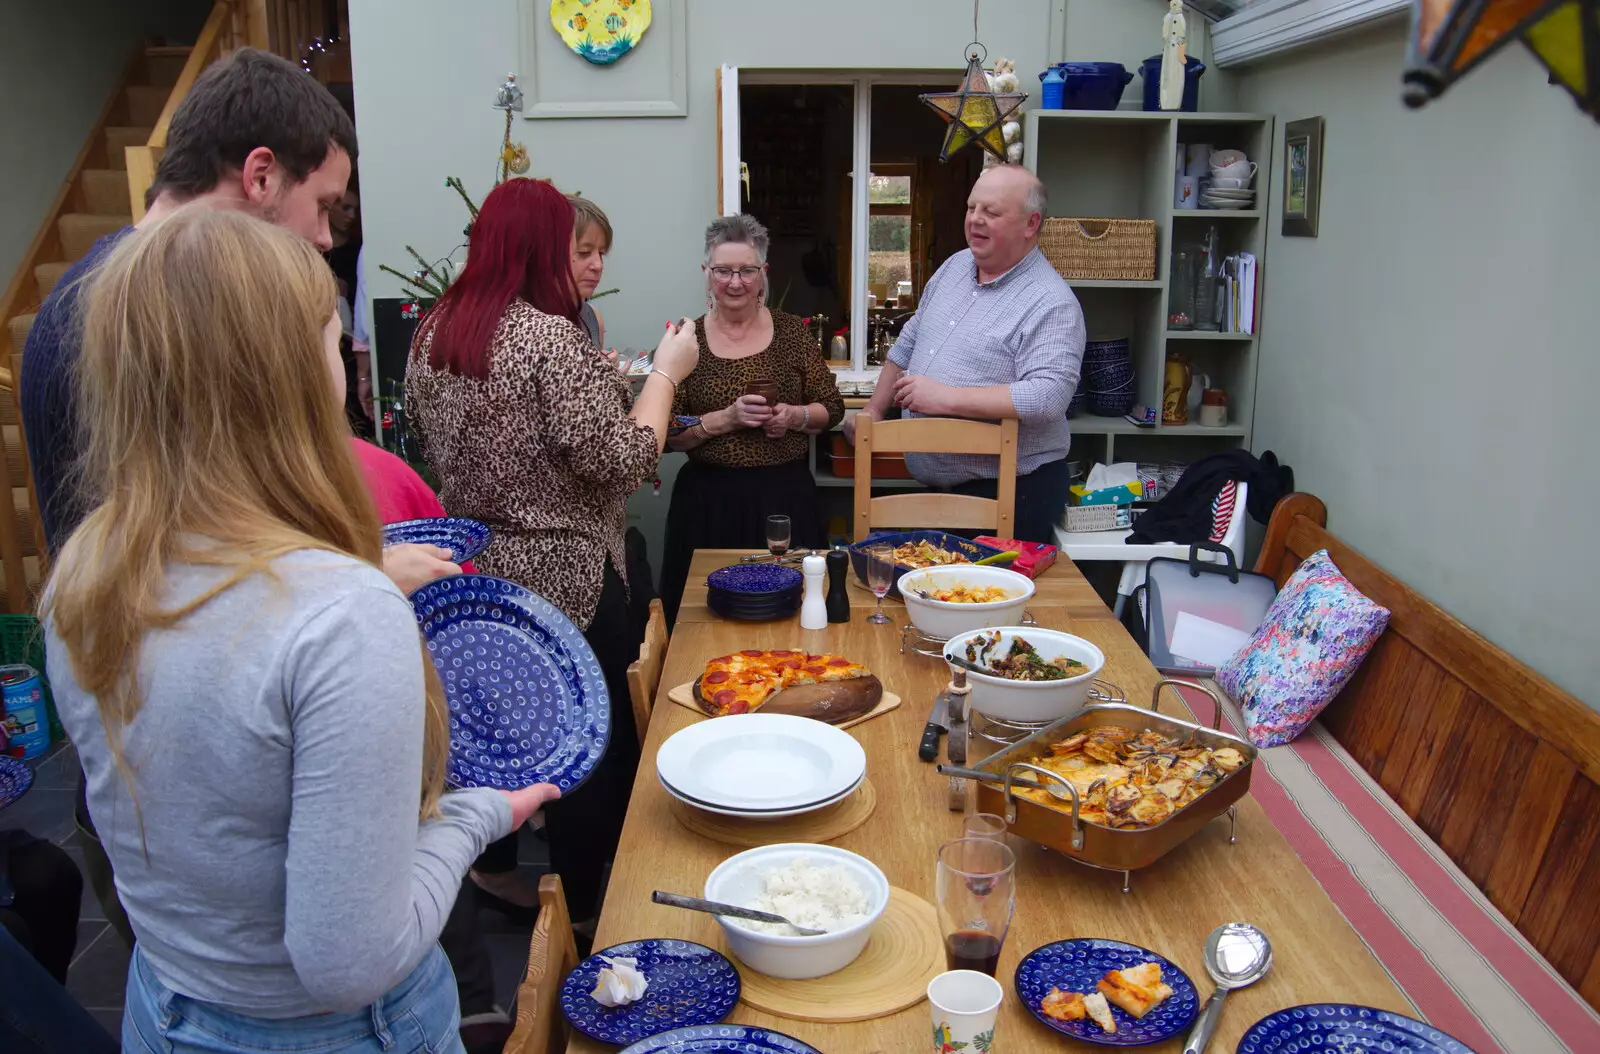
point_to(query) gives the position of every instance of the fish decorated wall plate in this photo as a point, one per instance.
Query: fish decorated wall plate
(601, 31)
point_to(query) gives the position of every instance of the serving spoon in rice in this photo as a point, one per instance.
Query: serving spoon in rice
(712, 907)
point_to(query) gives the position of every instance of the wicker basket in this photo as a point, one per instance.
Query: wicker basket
(1117, 250)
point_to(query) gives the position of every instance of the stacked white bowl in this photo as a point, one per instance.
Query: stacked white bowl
(1231, 175)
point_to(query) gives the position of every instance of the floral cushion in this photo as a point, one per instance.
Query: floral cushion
(1312, 641)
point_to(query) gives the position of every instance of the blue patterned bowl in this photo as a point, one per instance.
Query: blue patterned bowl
(722, 1039)
(464, 538)
(528, 702)
(1102, 348)
(689, 984)
(754, 580)
(1075, 966)
(15, 779)
(1112, 404)
(973, 551)
(1343, 1027)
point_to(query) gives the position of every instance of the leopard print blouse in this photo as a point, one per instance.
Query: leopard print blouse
(543, 451)
(792, 361)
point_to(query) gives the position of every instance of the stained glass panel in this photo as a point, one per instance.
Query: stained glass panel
(1499, 19)
(1558, 41)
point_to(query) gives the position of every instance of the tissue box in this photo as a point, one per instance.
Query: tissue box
(1033, 558)
(1123, 495)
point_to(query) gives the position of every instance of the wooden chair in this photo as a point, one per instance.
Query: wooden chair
(644, 673)
(552, 954)
(935, 435)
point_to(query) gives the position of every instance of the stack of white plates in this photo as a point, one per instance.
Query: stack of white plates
(760, 766)
(1215, 198)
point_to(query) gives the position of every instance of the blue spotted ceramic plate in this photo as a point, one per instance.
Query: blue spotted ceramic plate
(15, 779)
(464, 538)
(1075, 966)
(528, 703)
(722, 1039)
(688, 984)
(754, 580)
(1345, 1028)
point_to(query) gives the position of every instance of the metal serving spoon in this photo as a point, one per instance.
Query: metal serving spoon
(1237, 954)
(712, 907)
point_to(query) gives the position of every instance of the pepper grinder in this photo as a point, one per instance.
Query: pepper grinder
(813, 609)
(838, 598)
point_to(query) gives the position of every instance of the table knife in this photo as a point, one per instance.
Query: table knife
(938, 722)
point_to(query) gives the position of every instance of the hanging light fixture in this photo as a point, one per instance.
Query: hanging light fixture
(974, 111)
(1450, 38)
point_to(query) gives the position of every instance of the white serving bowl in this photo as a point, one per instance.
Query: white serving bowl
(737, 880)
(945, 618)
(1011, 700)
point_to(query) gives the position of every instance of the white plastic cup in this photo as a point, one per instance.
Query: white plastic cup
(964, 1004)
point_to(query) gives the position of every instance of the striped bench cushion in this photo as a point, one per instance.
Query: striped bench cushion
(1462, 965)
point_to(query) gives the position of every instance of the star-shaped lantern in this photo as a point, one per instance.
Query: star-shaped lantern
(975, 112)
(1449, 38)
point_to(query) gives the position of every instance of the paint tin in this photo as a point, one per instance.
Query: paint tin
(27, 722)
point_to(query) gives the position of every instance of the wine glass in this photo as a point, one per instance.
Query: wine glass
(777, 537)
(976, 890)
(880, 576)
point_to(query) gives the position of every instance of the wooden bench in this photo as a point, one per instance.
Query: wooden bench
(1496, 764)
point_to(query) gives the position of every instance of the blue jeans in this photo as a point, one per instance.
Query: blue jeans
(420, 1014)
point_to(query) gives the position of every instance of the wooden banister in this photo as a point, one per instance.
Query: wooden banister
(214, 40)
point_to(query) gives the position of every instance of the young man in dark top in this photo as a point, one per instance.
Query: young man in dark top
(254, 133)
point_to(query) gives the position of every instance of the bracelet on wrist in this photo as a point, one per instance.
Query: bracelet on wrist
(805, 418)
(655, 370)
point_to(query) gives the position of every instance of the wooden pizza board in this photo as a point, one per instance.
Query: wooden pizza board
(683, 695)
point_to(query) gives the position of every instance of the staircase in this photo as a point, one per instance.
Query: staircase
(103, 192)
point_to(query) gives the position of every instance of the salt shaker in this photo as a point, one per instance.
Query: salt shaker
(813, 609)
(838, 596)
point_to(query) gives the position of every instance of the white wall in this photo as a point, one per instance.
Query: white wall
(426, 72)
(1429, 362)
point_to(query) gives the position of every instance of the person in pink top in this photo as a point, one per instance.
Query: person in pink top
(398, 492)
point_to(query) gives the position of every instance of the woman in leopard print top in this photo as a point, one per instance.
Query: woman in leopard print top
(532, 432)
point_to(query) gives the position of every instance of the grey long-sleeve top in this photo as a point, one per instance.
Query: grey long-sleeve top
(276, 768)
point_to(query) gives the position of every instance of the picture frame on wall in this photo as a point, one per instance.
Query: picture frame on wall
(1302, 177)
(650, 80)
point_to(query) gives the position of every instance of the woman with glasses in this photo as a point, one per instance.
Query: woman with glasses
(747, 453)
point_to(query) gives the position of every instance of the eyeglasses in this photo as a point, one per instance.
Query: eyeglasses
(725, 274)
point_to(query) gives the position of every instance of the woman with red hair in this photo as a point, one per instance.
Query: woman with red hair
(532, 432)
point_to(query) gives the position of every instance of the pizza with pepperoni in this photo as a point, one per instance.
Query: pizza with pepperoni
(741, 682)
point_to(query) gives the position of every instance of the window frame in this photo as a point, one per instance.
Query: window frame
(1276, 26)
(861, 161)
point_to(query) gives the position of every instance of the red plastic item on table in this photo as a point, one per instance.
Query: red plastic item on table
(1033, 558)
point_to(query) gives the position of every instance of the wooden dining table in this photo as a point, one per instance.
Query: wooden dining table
(1172, 905)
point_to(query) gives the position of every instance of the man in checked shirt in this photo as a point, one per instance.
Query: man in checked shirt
(998, 334)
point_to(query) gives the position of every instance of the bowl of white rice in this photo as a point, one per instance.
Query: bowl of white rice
(816, 886)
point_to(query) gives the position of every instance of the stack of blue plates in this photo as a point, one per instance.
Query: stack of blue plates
(754, 592)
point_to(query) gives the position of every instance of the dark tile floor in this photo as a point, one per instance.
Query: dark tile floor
(99, 971)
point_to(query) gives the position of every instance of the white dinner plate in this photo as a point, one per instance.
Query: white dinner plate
(757, 814)
(1237, 194)
(761, 761)
(745, 810)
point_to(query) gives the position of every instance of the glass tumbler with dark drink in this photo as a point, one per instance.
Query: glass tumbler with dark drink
(976, 892)
(778, 533)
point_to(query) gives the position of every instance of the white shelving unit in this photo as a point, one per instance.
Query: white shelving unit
(1121, 164)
